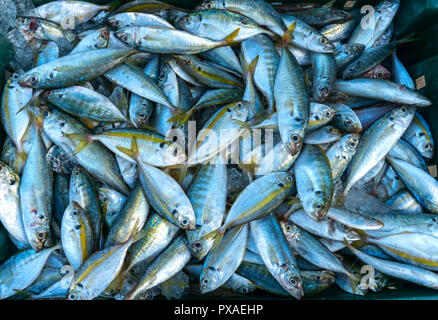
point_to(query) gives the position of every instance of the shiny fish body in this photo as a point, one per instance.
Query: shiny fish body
(327, 228)
(48, 52)
(85, 103)
(399, 270)
(58, 11)
(207, 193)
(327, 134)
(265, 71)
(305, 245)
(259, 11)
(259, 198)
(97, 272)
(74, 69)
(167, 264)
(404, 201)
(83, 191)
(36, 195)
(423, 186)
(104, 167)
(166, 196)
(111, 202)
(15, 123)
(223, 260)
(402, 150)
(130, 220)
(159, 234)
(291, 102)
(131, 19)
(346, 53)
(377, 142)
(10, 210)
(401, 75)
(217, 24)
(278, 159)
(314, 181)
(338, 31)
(20, 270)
(345, 118)
(306, 37)
(276, 254)
(324, 75)
(156, 39)
(97, 40)
(134, 80)
(382, 90)
(76, 235)
(385, 13)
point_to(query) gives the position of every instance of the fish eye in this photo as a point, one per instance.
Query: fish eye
(125, 38)
(352, 145)
(427, 146)
(77, 227)
(295, 137)
(15, 76)
(141, 115)
(209, 5)
(41, 235)
(188, 61)
(198, 68)
(281, 185)
(244, 290)
(318, 206)
(75, 212)
(72, 296)
(289, 178)
(34, 79)
(292, 281)
(380, 74)
(184, 222)
(205, 281)
(328, 114)
(197, 245)
(323, 40)
(403, 109)
(239, 105)
(288, 228)
(348, 122)
(102, 36)
(62, 124)
(77, 173)
(1, 167)
(47, 114)
(11, 182)
(49, 93)
(317, 278)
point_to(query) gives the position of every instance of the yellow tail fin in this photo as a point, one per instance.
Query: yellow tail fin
(229, 40)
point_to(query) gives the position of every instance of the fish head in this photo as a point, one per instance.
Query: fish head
(320, 114)
(173, 153)
(379, 72)
(185, 217)
(321, 90)
(190, 22)
(73, 212)
(351, 142)
(212, 4)
(210, 277)
(284, 180)
(140, 118)
(239, 110)
(117, 21)
(294, 139)
(290, 230)
(127, 35)
(316, 206)
(332, 131)
(76, 293)
(319, 43)
(31, 78)
(39, 236)
(380, 281)
(291, 281)
(316, 281)
(9, 179)
(102, 39)
(402, 116)
(388, 7)
(55, 122)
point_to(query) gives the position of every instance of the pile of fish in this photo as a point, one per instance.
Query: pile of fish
(235, 147)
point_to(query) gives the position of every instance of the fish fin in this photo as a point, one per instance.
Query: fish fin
(329, 4)
(243, 124)
(84, 141)
(248, 68)
(33, 101)
(70, 35)
(182, 116)
(133, 151)
(215, 235)
(25, 295)
(409, 38)
(174, 287)
(288, 35)
(229, 40)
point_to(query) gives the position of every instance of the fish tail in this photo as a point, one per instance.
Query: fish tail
(25, 295)
(243, 124)
(229, 40)
(288, 35)
(83, 138)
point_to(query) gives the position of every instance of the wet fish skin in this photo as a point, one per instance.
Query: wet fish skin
(341, 153)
